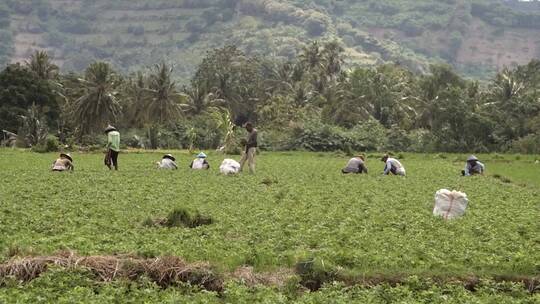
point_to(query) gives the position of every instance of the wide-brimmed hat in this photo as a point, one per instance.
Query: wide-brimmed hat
(109, 129)
(169, 156)
(67, 155)
(362, 157)
(472, 158)
(201, 155)
(385, 157)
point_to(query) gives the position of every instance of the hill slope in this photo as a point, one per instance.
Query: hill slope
(476, 36)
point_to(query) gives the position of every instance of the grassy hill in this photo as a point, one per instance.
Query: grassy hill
(477, 37)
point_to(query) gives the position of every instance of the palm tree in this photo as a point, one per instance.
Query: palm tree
(41, 64)
(136, 94)
(98, 104)
(199, 102)
(333, 57)
(163, 104)
(312, 57)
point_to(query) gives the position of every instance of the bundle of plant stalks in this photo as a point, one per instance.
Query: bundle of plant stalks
(248, 276)
(165, 271)
(180, 217)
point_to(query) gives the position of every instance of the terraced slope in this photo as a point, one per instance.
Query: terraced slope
(476, 36)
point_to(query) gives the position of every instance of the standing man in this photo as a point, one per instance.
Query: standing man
(251, 149)
(392, 166)
(113, 147)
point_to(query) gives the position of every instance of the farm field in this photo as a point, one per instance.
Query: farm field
(298, 224)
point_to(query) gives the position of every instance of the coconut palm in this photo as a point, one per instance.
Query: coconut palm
(136, 94)
(199, 102)
(312, 57)
(98, 104)
(41, 64)
(163, 102)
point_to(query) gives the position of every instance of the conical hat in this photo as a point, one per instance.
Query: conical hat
(67, 155)
(472, 158)
(201, 155)
(109, 129)
(169, 156)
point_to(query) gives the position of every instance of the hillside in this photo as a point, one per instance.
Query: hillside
(477, 37)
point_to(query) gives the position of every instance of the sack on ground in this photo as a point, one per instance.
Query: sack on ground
(229, 166)
(450, 204)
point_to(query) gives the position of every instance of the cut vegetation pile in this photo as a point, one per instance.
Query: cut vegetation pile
(164, 271)
(180, 218)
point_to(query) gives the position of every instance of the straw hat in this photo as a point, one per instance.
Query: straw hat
(385, 157)
(362, 157)
(68, 156)
(109, 129)
(169, 156)
(201, 155)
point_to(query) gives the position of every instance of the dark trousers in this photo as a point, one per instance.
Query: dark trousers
(111, 159)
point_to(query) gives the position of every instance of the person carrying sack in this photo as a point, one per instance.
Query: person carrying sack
(113, 147)
(251, 149)
(64, 163)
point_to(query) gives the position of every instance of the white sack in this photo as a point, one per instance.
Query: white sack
(229, 166)
(450, 204)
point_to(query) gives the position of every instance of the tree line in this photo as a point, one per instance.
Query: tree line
(311, 102)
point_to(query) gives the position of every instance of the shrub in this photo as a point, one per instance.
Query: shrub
(317, 136)
(316, 25)
(314, 274)
(50, 144)
(179, 217)
(369, 135)
(529, 144)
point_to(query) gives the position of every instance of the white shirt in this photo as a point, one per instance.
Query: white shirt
(392, 162)
(198, 164)
(167, 164)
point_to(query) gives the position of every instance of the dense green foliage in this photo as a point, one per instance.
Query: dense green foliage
(311, 102)
(298, 207)
(137, 33)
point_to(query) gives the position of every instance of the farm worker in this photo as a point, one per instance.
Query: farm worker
(200, 163)
(251, 148)
(473, 166)
(392, 166)
(64, 163)
(113, 147)
(356, 165)
(168, 162)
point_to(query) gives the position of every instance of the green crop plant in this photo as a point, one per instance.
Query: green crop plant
(371, 238)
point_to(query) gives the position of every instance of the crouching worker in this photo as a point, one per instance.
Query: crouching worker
(473, 166)
(392, 166)
(200, 163)
(64, 163)
(356, 165)
(168, 162)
